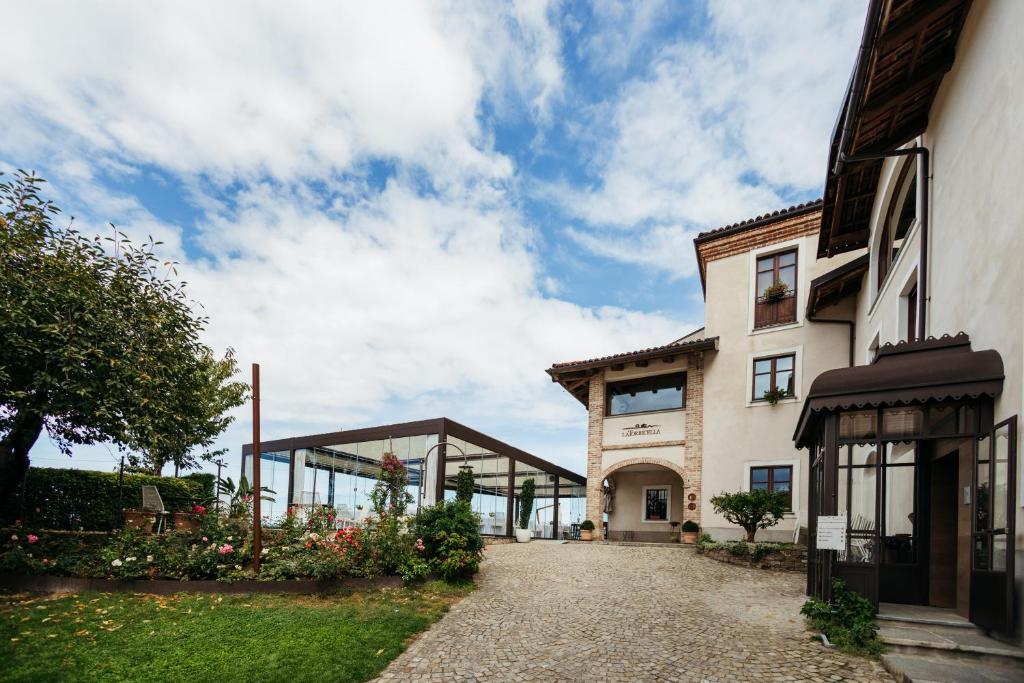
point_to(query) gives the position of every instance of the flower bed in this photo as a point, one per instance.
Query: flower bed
(783, 557)
(305, 544)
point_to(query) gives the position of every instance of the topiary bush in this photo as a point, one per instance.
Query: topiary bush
(587, 525)
(464, 484)
(84, 499)
(752, 510)
(526, 503)
(690, 526)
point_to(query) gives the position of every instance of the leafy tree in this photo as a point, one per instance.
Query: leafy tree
(100, 343)
(752, 510)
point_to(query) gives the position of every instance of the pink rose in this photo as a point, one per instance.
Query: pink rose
(225, 549)
(205, 539)
(32, 538)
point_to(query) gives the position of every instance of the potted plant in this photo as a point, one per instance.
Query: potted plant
(673, 536)
(774, 395)
(523, 534)
(690, 531)
(137, 519)
(587, 530)
(777, 290)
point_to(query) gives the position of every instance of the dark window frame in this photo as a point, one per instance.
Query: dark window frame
(771, 375)
(640, 381)
(778, 314)
(668, 502)
(912, 313)
(771, 481)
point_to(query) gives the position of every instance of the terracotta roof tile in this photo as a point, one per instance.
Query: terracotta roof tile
(760, 220)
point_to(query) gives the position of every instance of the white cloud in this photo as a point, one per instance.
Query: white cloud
(722, 127)
(667, 248)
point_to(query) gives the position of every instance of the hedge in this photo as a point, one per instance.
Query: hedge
(83, 499)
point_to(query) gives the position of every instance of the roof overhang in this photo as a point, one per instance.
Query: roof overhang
(905, 373)
(835, 285)
(575, 376)
(906, 49)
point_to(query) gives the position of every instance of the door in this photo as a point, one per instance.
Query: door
(995, 456)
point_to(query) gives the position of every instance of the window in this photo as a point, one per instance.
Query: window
(776, 479)
(775, 302)
(656, 503)
(645, 395)
(901, 215)
(773, 373)
(912, 314)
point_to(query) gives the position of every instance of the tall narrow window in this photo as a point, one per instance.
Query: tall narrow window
(775, 302)
(773, 375)
(656, 501)
(898, 219)
(912, 314)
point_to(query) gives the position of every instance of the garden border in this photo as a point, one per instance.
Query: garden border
(27, 583)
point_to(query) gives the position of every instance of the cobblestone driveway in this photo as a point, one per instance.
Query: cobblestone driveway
(548, 611)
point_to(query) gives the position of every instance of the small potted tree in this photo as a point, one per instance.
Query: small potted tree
(690, 531)
(587, 530)
(752, 510)
(523, 533)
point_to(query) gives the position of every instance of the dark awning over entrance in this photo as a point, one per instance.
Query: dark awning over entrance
(915, 372)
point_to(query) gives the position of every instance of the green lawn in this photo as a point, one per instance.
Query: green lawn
(190, 637)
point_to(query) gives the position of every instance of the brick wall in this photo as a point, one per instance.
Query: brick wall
(694, 458)
(786, 229)
(595, 440)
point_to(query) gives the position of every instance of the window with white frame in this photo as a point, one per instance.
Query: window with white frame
(899, 216)
(656, 503)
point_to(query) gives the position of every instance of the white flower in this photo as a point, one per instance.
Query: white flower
(14, 537)
(231, 538)
(264, 551)
(149, 558)
(116, 563)
(238, 567)
(130, 559)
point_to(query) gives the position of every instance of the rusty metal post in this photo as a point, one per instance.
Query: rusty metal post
(257, 522)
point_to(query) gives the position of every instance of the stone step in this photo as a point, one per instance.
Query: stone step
(947, 667)
(910, 638)
(955, 621)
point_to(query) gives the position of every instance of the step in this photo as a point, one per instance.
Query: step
(934, 617)
(908, 637)
(941, 667)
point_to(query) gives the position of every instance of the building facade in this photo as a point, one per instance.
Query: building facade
(915, 449)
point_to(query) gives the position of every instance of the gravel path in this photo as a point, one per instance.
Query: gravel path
(547, 611)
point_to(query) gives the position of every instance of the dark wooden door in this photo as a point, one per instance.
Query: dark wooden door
(995, 455)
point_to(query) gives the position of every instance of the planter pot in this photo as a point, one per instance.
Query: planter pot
(523, 535)
(186, 521)
(134, 519)
(586, 535)
(690, 537)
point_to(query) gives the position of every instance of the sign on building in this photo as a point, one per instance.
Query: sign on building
(831, 532)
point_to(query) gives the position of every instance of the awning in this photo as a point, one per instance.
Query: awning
(916, 372)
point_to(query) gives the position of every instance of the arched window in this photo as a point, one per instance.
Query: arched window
(898, 218)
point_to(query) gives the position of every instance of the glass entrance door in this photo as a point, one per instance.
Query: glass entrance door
(992, 538)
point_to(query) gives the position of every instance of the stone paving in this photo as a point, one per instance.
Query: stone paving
(547, 611)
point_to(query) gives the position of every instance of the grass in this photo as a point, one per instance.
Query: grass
(189, 637)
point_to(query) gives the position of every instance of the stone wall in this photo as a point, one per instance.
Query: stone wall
(793, 559)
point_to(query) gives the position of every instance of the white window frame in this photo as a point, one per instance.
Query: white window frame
(668, 504)
(798, 359)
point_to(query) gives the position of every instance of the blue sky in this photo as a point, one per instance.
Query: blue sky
(411, 210)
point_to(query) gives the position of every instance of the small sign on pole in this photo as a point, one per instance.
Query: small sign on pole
(831, 532)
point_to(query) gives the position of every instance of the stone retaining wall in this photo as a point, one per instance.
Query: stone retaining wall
(782, 560)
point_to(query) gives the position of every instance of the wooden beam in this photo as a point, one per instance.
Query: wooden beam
(907, 87)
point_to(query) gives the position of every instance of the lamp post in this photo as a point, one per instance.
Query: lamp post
(257, 526)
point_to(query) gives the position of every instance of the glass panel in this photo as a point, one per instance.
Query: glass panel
(943, 420)
(787, 259)
(858, 425)
(966, 419)
(784, 363)
(663, 392)
(898, 422)
(762, 383)
(759, 475)
(981, 554)
(766, 263)
(999, 552)
(982, 502)
(784, 381)
(781, 474)
(860, 548)
(841, 493)
(656, 507)
(898, 543)
(1000, 477)
(900, 453)
(788, 275)
(764, 281)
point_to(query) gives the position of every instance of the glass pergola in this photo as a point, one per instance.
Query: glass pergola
(340, 469)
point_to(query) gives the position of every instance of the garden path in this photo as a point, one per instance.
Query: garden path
(548, 611)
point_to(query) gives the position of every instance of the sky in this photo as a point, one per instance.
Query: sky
(410, 210)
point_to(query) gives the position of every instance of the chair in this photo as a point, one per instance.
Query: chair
(152, 502)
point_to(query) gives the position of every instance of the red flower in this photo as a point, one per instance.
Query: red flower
(199, 509)
(32, 538)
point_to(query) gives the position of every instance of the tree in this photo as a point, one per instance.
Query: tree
(100, 343)
(752, 510)
(526, 503)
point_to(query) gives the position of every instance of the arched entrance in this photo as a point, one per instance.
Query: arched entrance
(644, 500)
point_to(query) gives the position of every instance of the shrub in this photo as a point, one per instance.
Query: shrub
(526, 503)
(389, 546)
(449, 534)
(690, 526)
(752, 510)
(848, 621)
(464, 484)
(84, 499)
(587, 525)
